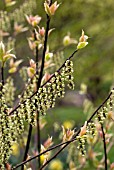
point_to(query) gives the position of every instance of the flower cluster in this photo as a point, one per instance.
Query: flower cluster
(5, 24)
(81, 138)
(6, 131)
(9, 91)
(87, 133)
(101, 115)
(27, 109)
(91, 132)
(46, 95)
(106, 111)
(67, 71)
(81, 144)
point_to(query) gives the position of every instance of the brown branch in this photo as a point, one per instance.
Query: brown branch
(37, 113)
(104, 143)
(27, 145)
(2, 77)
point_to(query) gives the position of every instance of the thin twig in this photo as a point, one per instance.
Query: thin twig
(44, 51)
(37, 114)
(27, 145)
(105, 152)
(39, 82)
(2, 76)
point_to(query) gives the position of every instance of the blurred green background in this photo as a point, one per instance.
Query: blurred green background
(94, 65)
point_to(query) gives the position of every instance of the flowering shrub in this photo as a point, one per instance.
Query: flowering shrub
(43, 85)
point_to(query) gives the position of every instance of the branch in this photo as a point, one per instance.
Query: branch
(40, 79)
(37, 114)
(44, 51)
(2, 76)
(27, 145)
(105, 152)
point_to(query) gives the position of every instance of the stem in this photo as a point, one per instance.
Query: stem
(104, 143)
(37, 113)
(27, 145)
(44, 51)
(2, 75)
(38, 139)
(39, 84)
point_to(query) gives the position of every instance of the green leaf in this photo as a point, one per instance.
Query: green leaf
(2, 50)
(81, 45)
(8, 56)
